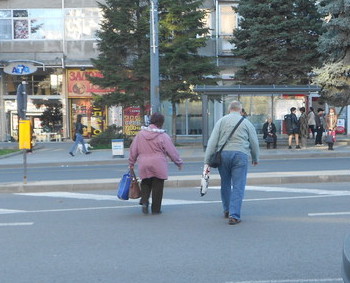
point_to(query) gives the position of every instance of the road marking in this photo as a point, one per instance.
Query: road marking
(329, 213)
(326, 280)
(293, 190)
(9, 211)
(108, 197)
(16, 224)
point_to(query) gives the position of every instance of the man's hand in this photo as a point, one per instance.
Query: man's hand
(254, 163)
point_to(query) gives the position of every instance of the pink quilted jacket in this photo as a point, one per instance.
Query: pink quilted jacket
(150, 149)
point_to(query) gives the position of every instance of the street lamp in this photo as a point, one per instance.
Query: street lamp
(154, 54)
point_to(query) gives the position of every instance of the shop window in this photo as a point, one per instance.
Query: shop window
(40, 83)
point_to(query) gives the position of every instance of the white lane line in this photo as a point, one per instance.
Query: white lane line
(16, 224)
(9, 211)
(329, 213)
(108, 197)
(293, 190)
(326, 280)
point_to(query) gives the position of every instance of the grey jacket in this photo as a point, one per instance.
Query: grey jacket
(244, 138)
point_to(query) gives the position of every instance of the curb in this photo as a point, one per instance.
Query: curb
(179, 182)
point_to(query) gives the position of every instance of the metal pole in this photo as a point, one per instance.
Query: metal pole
(24, 166)
(154, 53)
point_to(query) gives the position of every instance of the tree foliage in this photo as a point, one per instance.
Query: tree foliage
(334, 46)
(124, 53)
(278, 40)
(182, 34)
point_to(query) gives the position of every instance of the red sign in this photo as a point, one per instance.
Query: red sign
(80, 86)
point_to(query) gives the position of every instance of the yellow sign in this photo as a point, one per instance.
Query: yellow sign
(25, 134)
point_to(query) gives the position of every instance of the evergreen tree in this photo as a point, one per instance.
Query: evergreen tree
(123, 43)
(278, 40)
(182, 34)
(334, 45)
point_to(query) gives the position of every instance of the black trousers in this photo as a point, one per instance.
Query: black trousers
(319, 133)
(155, 186)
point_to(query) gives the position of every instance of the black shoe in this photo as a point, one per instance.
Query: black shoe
(88, 152)
(226, 214)
(71, 153)
(145, 208)
(297, 147)
(233, 221)
(156, 212)
(289, 147)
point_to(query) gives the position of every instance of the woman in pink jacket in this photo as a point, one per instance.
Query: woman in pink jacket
(150, 149)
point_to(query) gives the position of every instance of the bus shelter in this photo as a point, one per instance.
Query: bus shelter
(259, 102)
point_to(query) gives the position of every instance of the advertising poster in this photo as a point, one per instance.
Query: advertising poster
(80, 86)
(131, 121)
(93, 117)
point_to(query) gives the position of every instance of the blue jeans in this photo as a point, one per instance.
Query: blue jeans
(78, 139)
(233, 172)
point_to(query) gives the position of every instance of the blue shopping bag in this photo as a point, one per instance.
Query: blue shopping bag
(124, 187)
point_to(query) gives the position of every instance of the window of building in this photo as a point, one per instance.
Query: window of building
(228, 21)
(82, 23)
(31, 24)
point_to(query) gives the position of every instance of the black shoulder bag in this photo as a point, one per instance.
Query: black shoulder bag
(215, 158)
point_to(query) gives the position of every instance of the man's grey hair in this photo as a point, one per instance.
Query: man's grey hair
(235, 106)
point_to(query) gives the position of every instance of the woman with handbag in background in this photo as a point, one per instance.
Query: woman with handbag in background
(331, 122)
(269, 133)
(150, 149)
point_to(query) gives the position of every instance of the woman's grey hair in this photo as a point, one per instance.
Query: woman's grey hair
(235, 106)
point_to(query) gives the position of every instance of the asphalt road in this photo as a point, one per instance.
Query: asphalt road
(79, 172)
(289, 234)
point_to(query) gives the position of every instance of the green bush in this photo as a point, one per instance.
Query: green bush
(104, 140)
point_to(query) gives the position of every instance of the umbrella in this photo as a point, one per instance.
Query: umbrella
(205, 180)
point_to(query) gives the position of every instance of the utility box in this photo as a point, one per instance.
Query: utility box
(25, 134)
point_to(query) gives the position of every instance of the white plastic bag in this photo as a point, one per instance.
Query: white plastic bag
(205, 180)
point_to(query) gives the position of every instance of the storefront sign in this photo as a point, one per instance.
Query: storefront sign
(80, 86)
(131, 121)
(20, 69)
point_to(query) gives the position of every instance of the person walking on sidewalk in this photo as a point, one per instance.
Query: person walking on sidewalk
(79, 130)
(331, 122)
(304, 127)
(234, 158)
(292, 125)
(319, 126)
(150, 149)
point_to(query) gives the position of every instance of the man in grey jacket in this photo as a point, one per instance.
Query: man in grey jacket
(234, 158)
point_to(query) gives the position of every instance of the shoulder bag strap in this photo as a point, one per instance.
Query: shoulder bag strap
(234, 129)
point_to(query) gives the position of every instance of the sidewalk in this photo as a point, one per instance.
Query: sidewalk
(56, 154)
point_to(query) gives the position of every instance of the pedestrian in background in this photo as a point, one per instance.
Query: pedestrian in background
(269, 133)
(292, 125)
(150, 149)
(331, 122)
(79, 130)
(303, 127)
(319, 118)
(311, 121)
(234, 158)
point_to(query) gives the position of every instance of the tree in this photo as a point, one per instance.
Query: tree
(182, 34)
(123, 43)
(51, 118)
(334, 46)
(278, 40)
